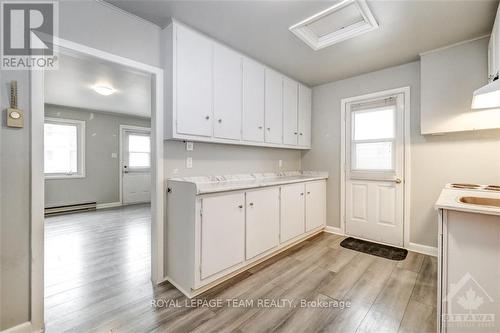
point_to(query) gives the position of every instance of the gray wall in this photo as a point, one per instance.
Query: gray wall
(102, 171)
(435, 160)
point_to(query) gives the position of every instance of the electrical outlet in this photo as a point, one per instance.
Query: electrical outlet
(189, 162)
(189, 145)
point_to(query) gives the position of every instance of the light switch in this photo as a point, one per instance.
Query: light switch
(189, 162)
(189, 145)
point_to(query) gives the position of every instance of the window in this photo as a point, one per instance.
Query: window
(64, 148)
(373, 134)
(139, 150)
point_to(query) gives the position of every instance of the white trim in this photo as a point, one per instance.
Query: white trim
(120, 153)
(333, 230)
(129, 14)
(81, 137)
(407, 155)
(37, 176)
(453, 45)
(22, 328)
(108, 205)
(424, 249)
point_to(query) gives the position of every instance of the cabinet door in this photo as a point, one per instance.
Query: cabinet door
(315, 205)
(222, 233)
(193, 83)
(227, 93)
(290, 128)
(496, 46)
(491, 57)
(253, 101)
(304, 116)
(292, 211)
(262, 221)
(273, 107)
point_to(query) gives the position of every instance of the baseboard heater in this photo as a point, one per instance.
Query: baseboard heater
(67, 209)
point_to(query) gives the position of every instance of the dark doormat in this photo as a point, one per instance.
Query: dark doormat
(379, 250)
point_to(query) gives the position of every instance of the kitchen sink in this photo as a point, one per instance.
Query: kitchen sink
(480, 201)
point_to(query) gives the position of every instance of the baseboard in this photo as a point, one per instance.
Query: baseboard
(26, 327)
(333, 230)
(108, 205)
(424, 249)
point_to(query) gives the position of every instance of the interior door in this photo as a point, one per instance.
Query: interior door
(292, 211)
(290, 109)
(262, 221)
(136, 166)
(227, 93)
(253, 101)
(375, 169)
(315, 205)
(304, 116)
(222, 233)
(273, 107)
(194, 83)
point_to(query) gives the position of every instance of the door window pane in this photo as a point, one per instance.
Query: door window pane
(374, 124)
(139, 160)
(139, 151)
(372, 156)
(61, 148)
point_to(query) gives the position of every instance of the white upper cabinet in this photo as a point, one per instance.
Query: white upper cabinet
(290, 100)
(216, 94)
(305, 100)
(253, 101)
(273, 107)
(193, 83)
(227, 93)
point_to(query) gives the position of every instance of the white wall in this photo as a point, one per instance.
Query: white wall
(435, 160)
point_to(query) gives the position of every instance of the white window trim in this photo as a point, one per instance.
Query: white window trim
(81, 146)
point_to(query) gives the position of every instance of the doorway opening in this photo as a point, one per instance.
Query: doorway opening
(376, 167)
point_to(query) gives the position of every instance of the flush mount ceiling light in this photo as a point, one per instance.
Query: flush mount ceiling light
(344, 20)
(104, 90)
(487, 97)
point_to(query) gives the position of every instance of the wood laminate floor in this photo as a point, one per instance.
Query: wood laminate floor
(97, 268)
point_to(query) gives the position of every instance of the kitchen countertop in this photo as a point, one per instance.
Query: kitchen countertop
(213, 184)
(449, 199)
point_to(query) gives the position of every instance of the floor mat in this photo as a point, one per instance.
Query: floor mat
(379, 250)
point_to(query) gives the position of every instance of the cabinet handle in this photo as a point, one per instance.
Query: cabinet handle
(251, 203)
(269, 128)
(207, 117)
(260, 127)
(302, 193)
(240, 206)
(295, 133)
(300, 133)
(220, 121)
(308, 192)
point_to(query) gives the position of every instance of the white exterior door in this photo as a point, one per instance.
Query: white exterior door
(136, 165)
(227, 93)
(274, 107)
(253, 101)
(262, 221)
(292, 211)
(375, 169)
(222, 233)
(315, 205)
(290, 100)
(194, 83)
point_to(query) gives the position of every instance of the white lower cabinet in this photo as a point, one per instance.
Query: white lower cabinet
(292, 211)
(212, 236)
(222, 233)
(315, 205)
(262, 221)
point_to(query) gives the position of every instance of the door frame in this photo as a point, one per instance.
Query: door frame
(37, 175)
(120, 152)
(407, 155)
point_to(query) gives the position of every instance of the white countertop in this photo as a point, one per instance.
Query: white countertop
(213, 184)
(449, 199)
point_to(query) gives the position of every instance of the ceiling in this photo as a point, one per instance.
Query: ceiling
(260, 30)
(71, 85)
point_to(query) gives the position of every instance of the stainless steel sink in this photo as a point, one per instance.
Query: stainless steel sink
(492, 202)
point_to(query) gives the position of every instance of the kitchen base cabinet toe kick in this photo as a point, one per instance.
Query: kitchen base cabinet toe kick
(213, 237)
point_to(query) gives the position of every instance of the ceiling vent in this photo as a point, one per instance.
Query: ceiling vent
(344, 20)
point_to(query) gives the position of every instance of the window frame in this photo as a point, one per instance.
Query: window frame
(80, 149)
